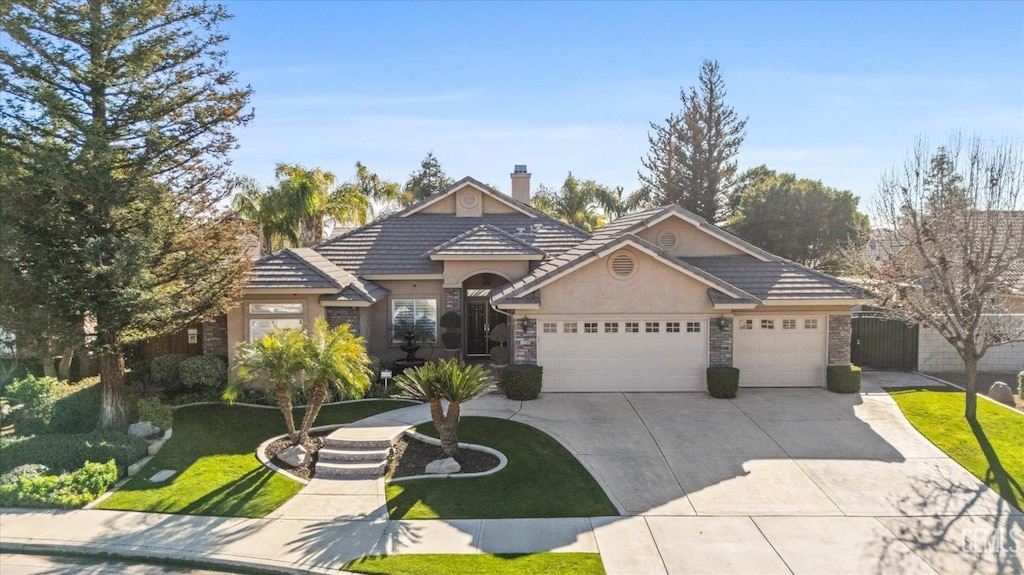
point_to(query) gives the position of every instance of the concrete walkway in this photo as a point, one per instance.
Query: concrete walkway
(775, 481)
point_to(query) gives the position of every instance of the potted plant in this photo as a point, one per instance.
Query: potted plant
(451, 323)
(500, 352)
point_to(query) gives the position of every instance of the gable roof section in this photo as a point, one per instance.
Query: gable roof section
(304, 269)
(482, 187)
(486, 241)
(776, 280)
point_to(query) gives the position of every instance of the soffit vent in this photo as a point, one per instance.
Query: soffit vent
(667, 239)
(468, 200)
(622, 265)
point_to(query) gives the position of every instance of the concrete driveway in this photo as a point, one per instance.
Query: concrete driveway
(776, 481)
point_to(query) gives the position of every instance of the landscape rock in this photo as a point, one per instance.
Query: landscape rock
(443, 466)
(1001, 393)
(136, 467)
(142, 429)
(295, 455)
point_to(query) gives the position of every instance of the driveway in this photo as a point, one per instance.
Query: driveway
(776, 481)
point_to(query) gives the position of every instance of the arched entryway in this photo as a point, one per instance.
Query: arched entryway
(478, 315)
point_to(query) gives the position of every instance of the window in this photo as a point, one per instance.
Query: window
(550, 327)
(275, 308)
(652, 327)
(569, 327)
(810, 324)
(611, 327)
(262, 326)
(259, 328)
(672, 326)
(590, 327)
(789, 324)
(693, 327)
(632, 327)
(418, 315)
(767, 324)
(746, 324)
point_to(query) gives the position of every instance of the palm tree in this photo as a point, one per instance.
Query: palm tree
(331, 357)
(277, 358)
(308, 194)
(585, 204)
(449, 380)
(264, 209)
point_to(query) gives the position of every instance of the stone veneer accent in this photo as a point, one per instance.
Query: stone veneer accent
(720, 343)
(215, 336)
(453, 300)
(524, 338)
(839, 333)
(336, 316)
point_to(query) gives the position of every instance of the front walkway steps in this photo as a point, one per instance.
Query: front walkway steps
(359, 450)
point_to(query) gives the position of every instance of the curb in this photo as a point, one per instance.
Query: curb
(261, 406)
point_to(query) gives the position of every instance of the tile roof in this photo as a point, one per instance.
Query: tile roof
(487, 240)
(775, 280)
(304, 268)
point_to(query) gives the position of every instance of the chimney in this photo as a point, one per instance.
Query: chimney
(521, 184)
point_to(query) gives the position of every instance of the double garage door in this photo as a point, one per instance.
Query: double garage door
(631, 354)
(671, 354)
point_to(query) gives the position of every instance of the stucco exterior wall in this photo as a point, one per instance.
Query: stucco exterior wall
(493, 206)
(691, 241)
(458, 271)
(442, 206)
(377, 328)
(934, 353)
(238, 317)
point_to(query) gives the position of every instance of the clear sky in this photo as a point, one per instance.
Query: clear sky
(834, 91)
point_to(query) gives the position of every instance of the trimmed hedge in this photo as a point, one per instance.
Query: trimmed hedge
(723, 382)
(203, 373)
(77, 409)
(164, 371)
(842, 378)
(66, 491)
(523, 382)
(69, 452)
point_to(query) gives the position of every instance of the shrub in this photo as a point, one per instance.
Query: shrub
(12, 369)
(163, 370)
(523, 382)
(203, 373)
(66, 491)
(27, 470)
(842, 378)
(69, 452)
(36, 396)
(151, 410)
(77, 408)
(723, 381)
(451, 322)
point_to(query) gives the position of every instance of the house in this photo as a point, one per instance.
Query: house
(644, 304)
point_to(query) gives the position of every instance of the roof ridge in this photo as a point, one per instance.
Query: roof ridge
(317, 266)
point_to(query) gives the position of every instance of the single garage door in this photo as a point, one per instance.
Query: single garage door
(634, 354)
(786, 351)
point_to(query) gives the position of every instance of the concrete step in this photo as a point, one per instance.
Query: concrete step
(347, 444)
(353, 455)
(350, 469)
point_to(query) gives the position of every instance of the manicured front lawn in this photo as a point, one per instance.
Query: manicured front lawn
(985, 381)
(213, 450)
(990, 449)
(554, 563)
(542, 479)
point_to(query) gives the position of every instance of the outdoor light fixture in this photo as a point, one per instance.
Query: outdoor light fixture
(722, 323)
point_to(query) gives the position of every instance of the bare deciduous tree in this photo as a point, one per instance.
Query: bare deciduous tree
(954, 260)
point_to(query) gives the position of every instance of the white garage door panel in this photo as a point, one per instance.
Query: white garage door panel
(603, 361)
(780, 357)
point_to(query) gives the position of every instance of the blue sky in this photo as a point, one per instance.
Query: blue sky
(834, 91)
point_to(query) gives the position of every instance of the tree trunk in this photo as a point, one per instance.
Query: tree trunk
(64, 369)
(448, 430)
(284, 401)
(971, 385)
(114, 413)
(50, 353)
(317, 395)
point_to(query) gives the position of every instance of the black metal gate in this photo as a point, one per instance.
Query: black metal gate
(881, 343)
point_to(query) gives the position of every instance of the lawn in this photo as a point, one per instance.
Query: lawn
(542, 479)
(989, 448)
(985, 381)
(213, 449)
(555, 563)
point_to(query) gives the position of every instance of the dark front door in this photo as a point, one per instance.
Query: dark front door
(480, 318)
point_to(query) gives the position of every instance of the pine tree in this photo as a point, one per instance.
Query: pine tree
(430, 179)
(115, 125)
(691, 159)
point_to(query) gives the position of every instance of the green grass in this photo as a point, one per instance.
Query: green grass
(542, 479)
(554, 563)
(214, 451)
(989, 448)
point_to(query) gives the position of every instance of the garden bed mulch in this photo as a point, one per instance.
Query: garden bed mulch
(312, 445)
(412, 456)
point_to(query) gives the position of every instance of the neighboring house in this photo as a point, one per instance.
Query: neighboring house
(645, 304)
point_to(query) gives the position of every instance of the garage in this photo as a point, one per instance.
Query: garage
(781, 351)
(622, 354)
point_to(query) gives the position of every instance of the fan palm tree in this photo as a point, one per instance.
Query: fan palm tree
(265, 210)
(449, 380)
(277, 358)
(331, 357)
(308, 194)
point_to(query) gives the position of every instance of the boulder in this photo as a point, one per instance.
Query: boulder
(295, 455)
(444, 466)
(142, 429)
(1001, 393)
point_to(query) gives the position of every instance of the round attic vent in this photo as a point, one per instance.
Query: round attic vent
(667, 239)
(468, 200)
(622, 265)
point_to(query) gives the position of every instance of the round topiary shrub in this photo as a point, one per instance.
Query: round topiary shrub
(842, 378)
(163, 370)
(523, 382)
(451, 322)
(723, 382)
(203, 373)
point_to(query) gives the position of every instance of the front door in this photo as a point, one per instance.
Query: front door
(480, 318)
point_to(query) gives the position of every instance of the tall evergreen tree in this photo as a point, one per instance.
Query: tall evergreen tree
(427, 181)
(691, 160)
(115, 126)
